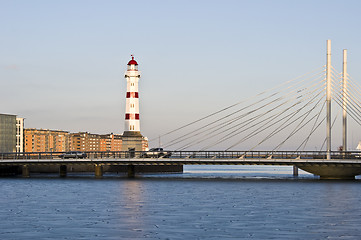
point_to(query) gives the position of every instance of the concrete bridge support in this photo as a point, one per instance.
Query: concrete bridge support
(25, 171)
(334, 171)
(295, 171)
(62, 170)
(131, 171)
(98, 170)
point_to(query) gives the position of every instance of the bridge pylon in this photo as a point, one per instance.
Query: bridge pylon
(328, 99)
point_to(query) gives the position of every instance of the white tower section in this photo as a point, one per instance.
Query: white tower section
(132, 76)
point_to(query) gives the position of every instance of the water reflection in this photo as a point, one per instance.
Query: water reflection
(131, 208)
(243, 171)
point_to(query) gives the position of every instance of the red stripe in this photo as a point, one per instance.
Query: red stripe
(132, 95)
(132, 116)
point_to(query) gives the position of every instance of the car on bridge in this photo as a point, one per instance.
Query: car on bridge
(156, 153)
(73, 154)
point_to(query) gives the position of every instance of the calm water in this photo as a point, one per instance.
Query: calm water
(202, 203)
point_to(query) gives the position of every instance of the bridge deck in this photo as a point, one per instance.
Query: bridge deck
(343, 165)
(183, 161)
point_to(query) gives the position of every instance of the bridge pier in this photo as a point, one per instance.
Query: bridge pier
(131, 171)
(295, 171)
(342, 172)
(62, 170)
(25, 171)
(98, 170)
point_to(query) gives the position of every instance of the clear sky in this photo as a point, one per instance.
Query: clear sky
(62, 63)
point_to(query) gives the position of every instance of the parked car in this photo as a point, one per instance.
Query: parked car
(156, 153)
(73, 154)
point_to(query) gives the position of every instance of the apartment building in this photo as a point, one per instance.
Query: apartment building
(84, 141)
(7, 133)
(45, 140)
(78, 141)
(19, 134)
(11, 133)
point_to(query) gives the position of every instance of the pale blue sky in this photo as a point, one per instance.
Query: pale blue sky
(62, 62)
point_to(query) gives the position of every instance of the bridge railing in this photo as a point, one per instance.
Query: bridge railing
(193, 154)
(267, 154)
(58, 155)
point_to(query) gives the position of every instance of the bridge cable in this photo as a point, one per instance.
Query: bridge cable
(239, 117)
(353, 110)
(299, 127)
(350, 110)
(281, 127)
(192, 132)
(182, 138)
(264, 126)
(352, 96)
(351, 103)
(237, 125)
(314, 128)
(215, 113)
(248, 121)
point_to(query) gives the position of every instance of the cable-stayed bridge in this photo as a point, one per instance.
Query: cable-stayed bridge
(291, 116)
(287, 120)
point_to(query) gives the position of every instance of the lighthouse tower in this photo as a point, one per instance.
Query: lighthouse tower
(132, 76)
(132, 138)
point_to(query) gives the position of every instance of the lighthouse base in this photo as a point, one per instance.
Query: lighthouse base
(133, 142)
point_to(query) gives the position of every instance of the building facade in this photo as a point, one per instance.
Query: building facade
(7, 133)
(110, 142)
(19, 134)
(45, 140)
(86, 142)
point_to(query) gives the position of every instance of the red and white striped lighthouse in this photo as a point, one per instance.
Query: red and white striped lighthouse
(132, 76)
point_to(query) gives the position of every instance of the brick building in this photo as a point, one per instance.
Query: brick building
(78, 141)
(85, 142)
(45, 140)
(110, 142)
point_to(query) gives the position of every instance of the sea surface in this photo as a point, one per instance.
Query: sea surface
(215, 202)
